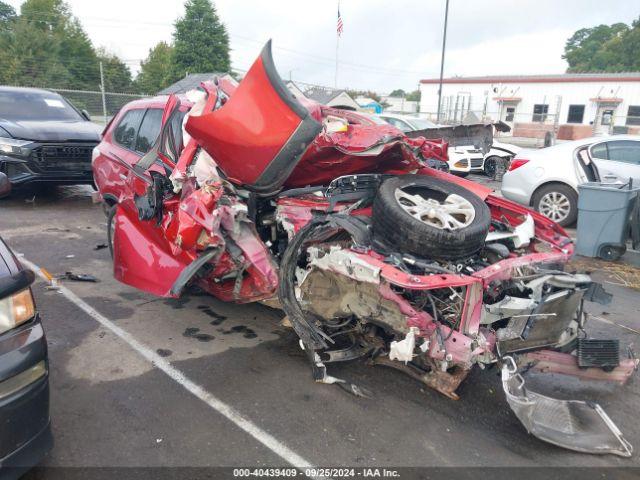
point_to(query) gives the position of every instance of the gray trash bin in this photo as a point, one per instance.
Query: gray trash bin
(604, 211)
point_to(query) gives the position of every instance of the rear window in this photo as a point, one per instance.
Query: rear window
(36, 106)
(126, 131)
(600, 151)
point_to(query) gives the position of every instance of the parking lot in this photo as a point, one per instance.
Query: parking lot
(138, 380)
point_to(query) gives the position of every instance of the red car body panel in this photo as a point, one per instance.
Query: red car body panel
(258, 136)
(142, 256)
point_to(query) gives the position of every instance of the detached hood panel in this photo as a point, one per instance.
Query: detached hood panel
(260, 134)
(52, 131)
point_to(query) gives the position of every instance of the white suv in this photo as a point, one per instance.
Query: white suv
(462, 159)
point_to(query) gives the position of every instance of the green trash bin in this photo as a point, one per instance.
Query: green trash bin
(604, 212)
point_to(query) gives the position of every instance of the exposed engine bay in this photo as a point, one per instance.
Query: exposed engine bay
(370, 252)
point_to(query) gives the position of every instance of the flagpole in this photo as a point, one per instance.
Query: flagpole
(335, 80)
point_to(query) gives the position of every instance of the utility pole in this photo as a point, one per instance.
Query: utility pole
(444, 43)
(104, 99)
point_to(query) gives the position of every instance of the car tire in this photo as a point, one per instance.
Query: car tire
(460, 174)
(435, 234)
(564, 198)
(495, 167)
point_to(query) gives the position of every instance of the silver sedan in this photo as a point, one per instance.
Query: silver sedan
(547, 179)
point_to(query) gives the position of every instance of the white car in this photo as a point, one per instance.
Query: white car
(462, 159)
(548, 178)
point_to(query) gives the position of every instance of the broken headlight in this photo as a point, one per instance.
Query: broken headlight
(16, 310)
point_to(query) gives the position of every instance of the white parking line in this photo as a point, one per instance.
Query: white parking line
(176, 375)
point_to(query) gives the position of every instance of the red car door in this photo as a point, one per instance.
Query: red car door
(117, 153)
(142, 256)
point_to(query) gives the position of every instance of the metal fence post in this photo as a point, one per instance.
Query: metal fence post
(104, 98)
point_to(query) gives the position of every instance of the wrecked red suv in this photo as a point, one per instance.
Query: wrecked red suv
(257, 196)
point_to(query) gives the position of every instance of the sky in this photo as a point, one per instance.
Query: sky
(385, 44)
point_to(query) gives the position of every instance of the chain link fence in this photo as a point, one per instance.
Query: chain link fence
(101, 106)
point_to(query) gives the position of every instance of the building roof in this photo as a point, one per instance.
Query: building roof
(189, 82)
(364, 101)
(322, 95)
(556, 78)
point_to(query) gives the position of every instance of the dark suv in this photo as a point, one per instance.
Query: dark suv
(43, 138)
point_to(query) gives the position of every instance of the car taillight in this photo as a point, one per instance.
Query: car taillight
(517, 163)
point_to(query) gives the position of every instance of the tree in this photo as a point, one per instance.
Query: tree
(413, 96)
(7, 62)
(155, 71)
(7, 12)
(117, 76)
(398, 93)
(201, 42)
(604, 48)
(46, 46)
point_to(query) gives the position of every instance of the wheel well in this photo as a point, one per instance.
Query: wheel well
(109, 199)
(546, 184)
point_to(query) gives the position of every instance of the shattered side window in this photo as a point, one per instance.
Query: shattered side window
(176, 125)
(171, 137)
(149, 130)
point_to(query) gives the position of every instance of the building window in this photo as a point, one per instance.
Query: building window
(511, 112)
(633, 115)
(540, 111)
(576, 114)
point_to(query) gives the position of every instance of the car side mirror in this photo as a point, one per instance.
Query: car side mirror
(85, 114)
(5, 185)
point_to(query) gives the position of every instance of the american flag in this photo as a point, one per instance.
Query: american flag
(340, 25)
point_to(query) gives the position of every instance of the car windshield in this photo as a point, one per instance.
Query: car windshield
(421, 123)
(35, 106)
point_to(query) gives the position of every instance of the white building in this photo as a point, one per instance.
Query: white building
(573, 105)
(399, 104)
(332, 98)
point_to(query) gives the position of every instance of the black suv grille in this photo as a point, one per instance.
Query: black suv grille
(62, 157)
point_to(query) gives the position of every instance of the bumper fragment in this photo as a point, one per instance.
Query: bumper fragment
(572, 424)
(549, 361)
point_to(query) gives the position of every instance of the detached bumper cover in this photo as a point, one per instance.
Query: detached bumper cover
(573, 424)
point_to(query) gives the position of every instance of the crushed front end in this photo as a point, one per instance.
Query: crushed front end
(511, 303)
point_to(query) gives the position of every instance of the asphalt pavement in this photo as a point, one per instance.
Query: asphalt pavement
(138, 380)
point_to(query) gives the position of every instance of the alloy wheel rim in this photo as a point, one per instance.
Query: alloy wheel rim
(555, 205)
(452, 213)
